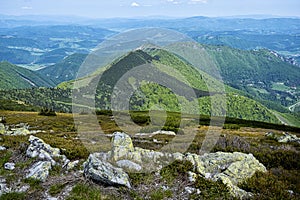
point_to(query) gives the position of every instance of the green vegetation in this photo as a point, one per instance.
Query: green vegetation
(56, 188)
(13, 196)
(14, 77)
(160, 194)
(47, 112)
(175, 169)
(87, 192)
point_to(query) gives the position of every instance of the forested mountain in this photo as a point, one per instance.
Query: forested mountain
(14, 77)
(64, 70)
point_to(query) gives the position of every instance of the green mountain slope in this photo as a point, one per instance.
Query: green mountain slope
(150, 95)
(14, 77)
(65, 70)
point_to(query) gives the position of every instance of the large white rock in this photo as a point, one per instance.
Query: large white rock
(103, 172)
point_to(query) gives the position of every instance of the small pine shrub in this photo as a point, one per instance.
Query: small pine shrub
(47, 112)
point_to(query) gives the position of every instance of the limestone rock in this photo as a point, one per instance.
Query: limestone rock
(129, 165)
(104, 172)
(38, 148)
(2, 129)
(9, 166)
(287, 137)
(21, 131)
(121, 145)
(2, 148)
(39, 170)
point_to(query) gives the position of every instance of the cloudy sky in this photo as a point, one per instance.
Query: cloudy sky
(134, 8)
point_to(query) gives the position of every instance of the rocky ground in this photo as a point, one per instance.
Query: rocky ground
(39, 163)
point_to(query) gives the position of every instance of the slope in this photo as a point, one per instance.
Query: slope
(64, 70)
(14, 77)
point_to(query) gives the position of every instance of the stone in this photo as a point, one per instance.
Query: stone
(2, 129)
(287, 137)
(38, 148)
(191, 190)
(121, 145)
(2, 148)
(3, 186)
(40, 170)
(192, 177)
(129, 165)
(72, 165)
(21, 131)
(9, 166)
(104, 172)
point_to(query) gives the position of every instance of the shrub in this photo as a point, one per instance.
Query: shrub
(231, 126)
(266, 186)
(170, 172)
(47, 112)
(211, 190)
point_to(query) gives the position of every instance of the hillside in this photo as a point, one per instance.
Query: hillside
(64, 70)
(14, 77)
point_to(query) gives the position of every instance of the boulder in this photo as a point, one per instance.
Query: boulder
(72, 165)
(21, 131)
(38, 148)
(121, 145)
(2, 129)
(39, 171)
(103, 172)
(2, 148)
(9, 166)
(287, 137)
(129, 165)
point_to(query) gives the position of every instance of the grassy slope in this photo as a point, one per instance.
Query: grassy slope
(13, 77)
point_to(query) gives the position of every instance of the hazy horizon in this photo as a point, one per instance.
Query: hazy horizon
(94, 9)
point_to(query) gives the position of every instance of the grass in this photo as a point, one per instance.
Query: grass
(13, 196)
(56, 189)
(87, 192)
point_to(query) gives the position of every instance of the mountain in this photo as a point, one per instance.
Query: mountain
(150, 94)
(64, 70)
(14, 77)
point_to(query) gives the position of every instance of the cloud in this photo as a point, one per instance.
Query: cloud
(26, 8)
(197, 1)
(135, 4)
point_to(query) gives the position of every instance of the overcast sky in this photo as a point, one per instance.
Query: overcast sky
(134, 8)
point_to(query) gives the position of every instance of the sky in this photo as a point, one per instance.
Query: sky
(143, 8)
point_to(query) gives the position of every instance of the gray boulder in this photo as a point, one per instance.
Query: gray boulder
(121, 145)
(103, 172)
(129, 165)
(38, 148)
(2, 148)
(40, 171)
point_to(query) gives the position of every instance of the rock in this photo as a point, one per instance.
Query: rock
(159, 132)
(287, 137)
(21, 131)
(121, 145)
(192, 176)
(2, 119)
(38, 148)
(3, 186)
(129, 165)
(72, 165)
(2, 148)
(39, 170)
(2, 129)
(9, 166)
(104, 172)
(191, 190)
